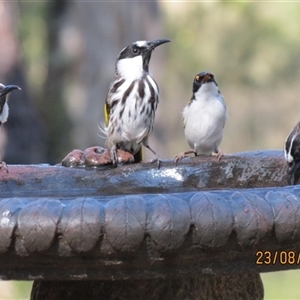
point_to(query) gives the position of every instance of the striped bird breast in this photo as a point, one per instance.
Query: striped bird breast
(132, 105)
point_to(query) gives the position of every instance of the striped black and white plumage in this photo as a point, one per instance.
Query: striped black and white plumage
(132, 100)
(204, 117)
(292, 155)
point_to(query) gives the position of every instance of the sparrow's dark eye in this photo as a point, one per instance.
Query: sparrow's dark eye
(135, 50)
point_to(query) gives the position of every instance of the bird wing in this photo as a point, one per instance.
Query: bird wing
(221, 99)
(2, 102)
(106, 112)
(109, 102)
(139, 156)
(184, 119)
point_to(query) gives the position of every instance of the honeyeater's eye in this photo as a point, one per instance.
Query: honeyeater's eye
(197, 78)
(135, 50)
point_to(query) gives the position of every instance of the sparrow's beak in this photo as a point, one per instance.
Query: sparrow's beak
(207, 77)
(293, 173)
(8, 88)
(153, 44)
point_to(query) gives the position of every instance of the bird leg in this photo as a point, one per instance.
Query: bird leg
(183, 155)
(157, 159)
(113, 155)
(219, 153)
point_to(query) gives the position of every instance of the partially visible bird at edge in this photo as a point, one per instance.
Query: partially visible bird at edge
(4, 109)
(131, 101)
(204, 118)
(292, 155)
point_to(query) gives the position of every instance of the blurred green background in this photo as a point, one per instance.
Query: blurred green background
(62, 54)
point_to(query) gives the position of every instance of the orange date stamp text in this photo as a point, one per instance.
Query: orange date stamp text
(282, 257)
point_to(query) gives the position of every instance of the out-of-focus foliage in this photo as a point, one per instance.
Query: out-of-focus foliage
(33, 35)
(39, 31)
(15, 290)
(281, 285)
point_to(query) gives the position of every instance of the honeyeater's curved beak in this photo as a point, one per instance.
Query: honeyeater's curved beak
(155, 43)
(293, 173)
(8, 88)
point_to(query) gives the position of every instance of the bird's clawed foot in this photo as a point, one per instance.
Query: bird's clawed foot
(219, 155)
(119, 156)
(3, 167)
(179, 157)
(156, 160)
(182, 155)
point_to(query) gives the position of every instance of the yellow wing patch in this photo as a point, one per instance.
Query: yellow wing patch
(106, 114)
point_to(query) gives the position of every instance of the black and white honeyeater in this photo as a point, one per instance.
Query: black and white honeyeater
(4, 110)
(131, 101)
(292, 155)
(4, 91)
(204, 117)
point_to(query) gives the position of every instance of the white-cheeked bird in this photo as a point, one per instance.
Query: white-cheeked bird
(131, 101)
(204, 118)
